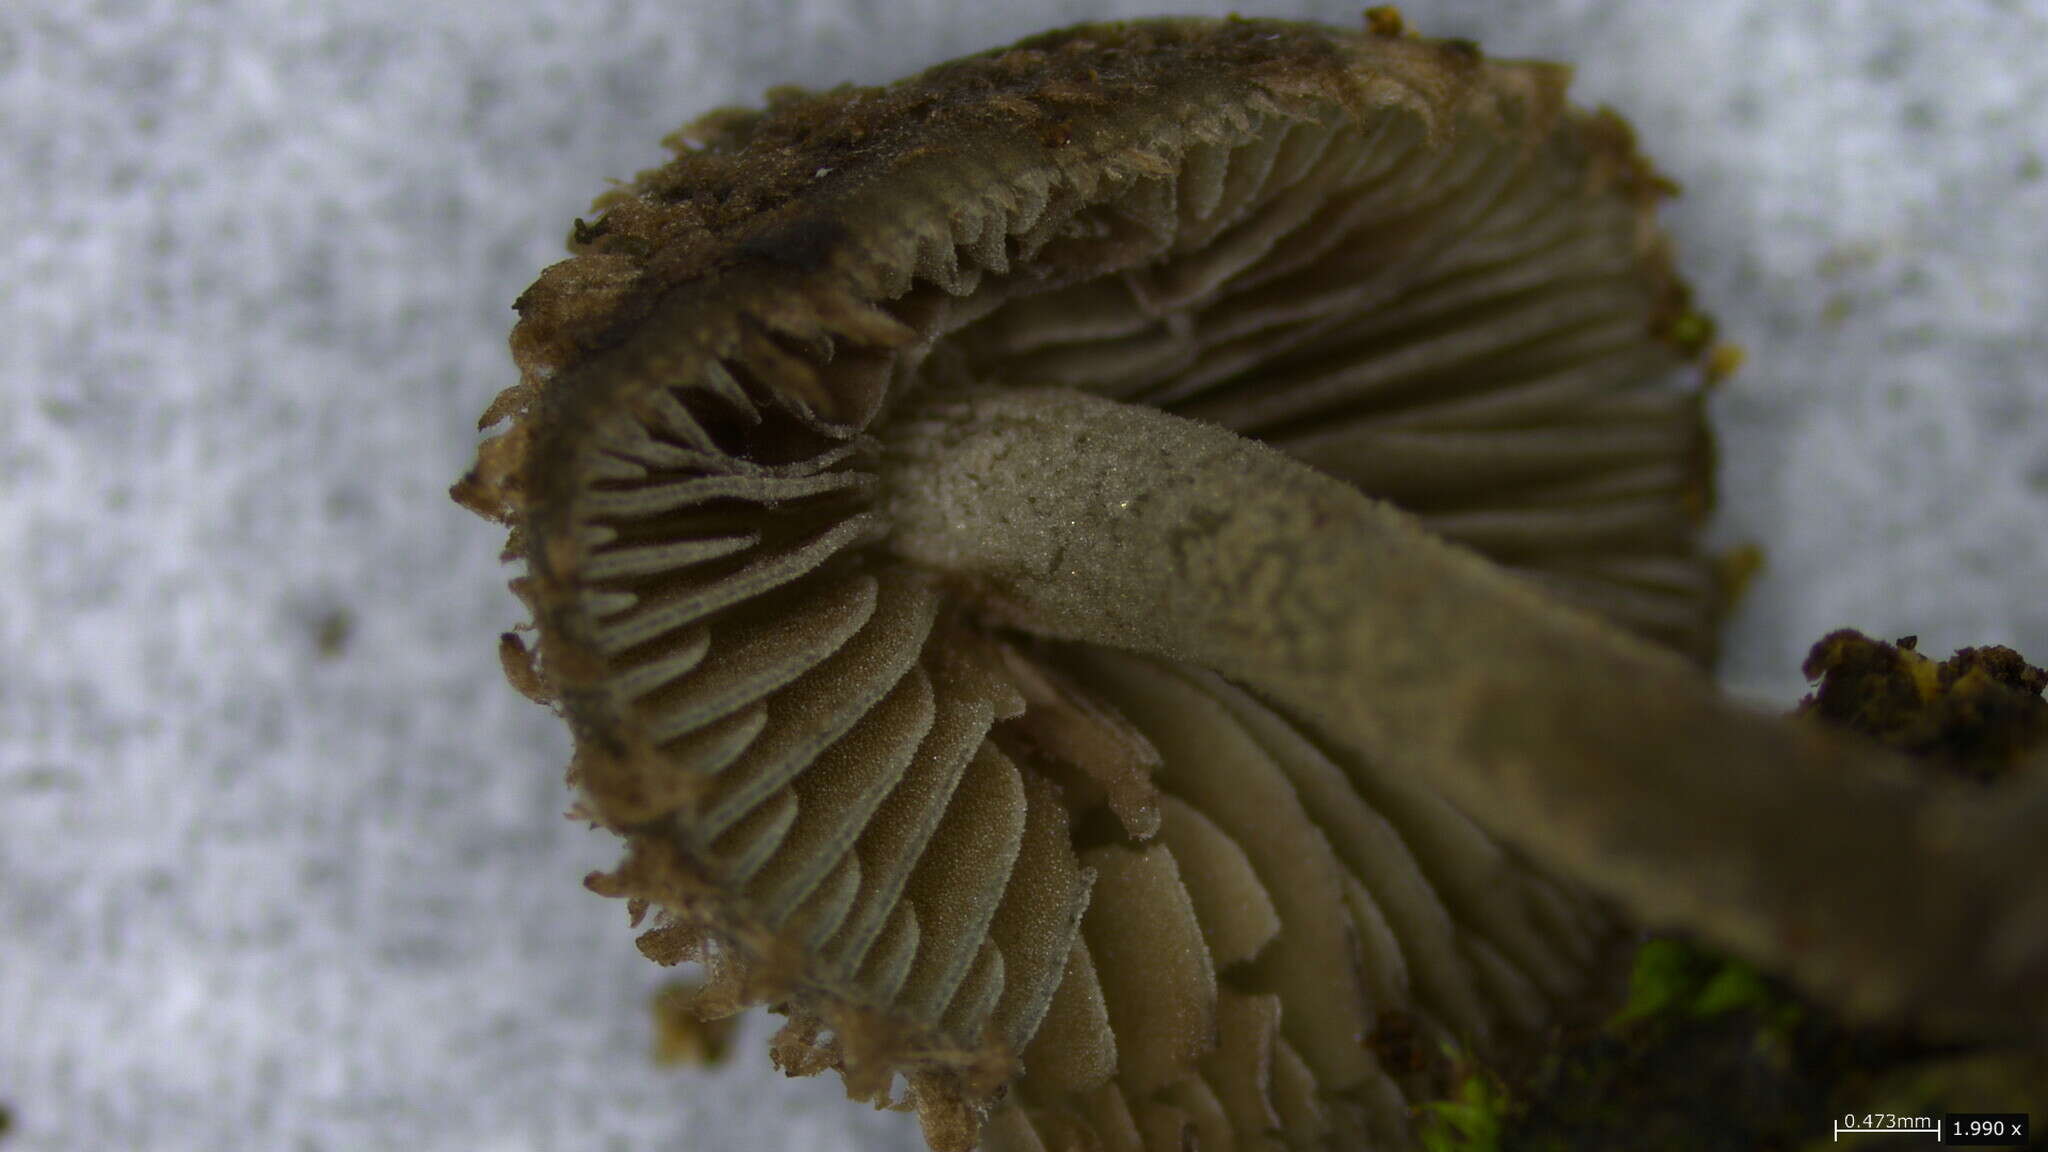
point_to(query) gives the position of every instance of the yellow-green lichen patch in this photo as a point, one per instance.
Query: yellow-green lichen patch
(1977, 713)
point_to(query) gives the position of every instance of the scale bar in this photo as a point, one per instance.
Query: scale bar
(1980, 1129)
(1889, 1125)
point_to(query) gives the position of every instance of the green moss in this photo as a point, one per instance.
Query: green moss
(1672, 977)
(1471, 1121)
(1666, 974)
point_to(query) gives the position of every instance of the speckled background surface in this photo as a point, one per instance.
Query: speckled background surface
(282, 860)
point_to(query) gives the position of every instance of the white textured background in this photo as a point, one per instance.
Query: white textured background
(258, 891)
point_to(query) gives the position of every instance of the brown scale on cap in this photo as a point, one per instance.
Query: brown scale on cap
(1082, 897)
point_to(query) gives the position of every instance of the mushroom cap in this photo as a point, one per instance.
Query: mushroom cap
(1111, 894)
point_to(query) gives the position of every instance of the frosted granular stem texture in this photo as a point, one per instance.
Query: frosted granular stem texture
(266, 879)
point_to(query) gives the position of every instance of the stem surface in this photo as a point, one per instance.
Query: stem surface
(1602, 757)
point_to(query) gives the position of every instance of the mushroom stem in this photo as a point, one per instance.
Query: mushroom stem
(1608, 760)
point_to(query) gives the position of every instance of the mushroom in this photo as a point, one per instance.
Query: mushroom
(956, 519)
